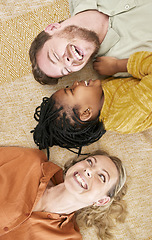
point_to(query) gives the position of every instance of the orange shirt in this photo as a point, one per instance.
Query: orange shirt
(24, 175)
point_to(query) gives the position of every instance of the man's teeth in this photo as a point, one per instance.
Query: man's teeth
(76, 53)
(81, 181)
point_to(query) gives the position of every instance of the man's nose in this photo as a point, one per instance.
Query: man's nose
(68, 60)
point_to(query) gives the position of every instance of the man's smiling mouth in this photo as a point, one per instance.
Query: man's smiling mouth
(77, 52)
(80, 180)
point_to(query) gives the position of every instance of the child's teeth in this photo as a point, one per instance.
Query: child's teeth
(86, 83)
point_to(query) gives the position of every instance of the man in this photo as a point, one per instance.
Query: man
(112, 28)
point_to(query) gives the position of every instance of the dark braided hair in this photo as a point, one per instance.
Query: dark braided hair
(56, 128)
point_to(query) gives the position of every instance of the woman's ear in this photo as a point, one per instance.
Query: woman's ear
(86, 114)
(51, 27)
(102, 202)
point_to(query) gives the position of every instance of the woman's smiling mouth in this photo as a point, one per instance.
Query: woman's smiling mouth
(80, 180)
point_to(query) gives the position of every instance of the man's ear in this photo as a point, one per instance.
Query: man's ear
(51, 27)
(86, 114)
(103, 201)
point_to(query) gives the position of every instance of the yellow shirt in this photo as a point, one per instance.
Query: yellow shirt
(127, 105)
(24, 175)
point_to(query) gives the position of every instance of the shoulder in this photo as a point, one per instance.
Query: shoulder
(21, 154)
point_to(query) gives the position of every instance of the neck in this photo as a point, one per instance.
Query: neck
(92, 20)
(58, 200)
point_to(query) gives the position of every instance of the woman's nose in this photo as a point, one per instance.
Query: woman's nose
(88, 172)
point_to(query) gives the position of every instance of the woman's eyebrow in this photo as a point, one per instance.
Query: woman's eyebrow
(102, 169)
(107, 174)
(94, 159)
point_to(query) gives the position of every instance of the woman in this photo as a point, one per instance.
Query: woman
(37, 202)
(79, 115)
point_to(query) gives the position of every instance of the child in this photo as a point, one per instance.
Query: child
(80, 114)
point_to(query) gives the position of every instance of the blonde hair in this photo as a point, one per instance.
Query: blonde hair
(105, 217)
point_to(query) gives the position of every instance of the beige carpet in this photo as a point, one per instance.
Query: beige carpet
(20, 94)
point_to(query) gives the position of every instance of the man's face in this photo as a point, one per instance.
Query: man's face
(67, 51)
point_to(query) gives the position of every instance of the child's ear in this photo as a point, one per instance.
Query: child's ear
(86, 114)
(51, 27)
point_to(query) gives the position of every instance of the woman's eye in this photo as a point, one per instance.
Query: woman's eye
(102, 177)
(89, 161)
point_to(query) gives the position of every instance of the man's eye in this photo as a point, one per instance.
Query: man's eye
(56, 56)
(68, 70)
(89, 161)
(102, 177)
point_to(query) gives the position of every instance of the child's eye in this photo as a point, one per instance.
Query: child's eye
(89, 161)
(102, 177)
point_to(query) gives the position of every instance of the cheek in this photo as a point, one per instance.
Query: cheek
(78, 68)
(98, 189)
(69, 183)
(83, 96)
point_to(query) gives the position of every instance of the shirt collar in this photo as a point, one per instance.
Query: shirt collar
(55, 173)
(109, 41)
(51, 171)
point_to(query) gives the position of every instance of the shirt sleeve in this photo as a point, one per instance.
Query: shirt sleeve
(128, 106)
(140, 65)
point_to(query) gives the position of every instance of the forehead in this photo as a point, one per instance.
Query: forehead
(64, 98)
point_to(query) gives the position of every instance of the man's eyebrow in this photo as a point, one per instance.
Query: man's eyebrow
(50, 58)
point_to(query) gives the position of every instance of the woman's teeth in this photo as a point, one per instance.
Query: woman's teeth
(81, 181)
(76, 53)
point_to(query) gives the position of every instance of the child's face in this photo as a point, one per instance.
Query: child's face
(87, 95)
(90, 180)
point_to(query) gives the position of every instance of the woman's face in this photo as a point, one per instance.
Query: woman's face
(90, 180)
(86, 94)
